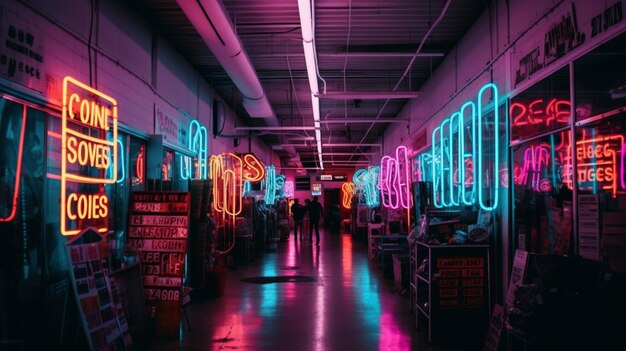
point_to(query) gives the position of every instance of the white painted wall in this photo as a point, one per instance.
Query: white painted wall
(122, 55)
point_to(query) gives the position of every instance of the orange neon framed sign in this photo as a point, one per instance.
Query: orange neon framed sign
(88, 116)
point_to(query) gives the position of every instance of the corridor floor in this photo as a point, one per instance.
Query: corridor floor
(347, 306)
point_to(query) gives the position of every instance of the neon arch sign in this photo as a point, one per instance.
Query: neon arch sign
(395, 179)
(450, 156)
(367, 181)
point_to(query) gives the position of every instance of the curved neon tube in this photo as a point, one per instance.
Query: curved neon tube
(18, 170)
(347, 189)
(464, 155)
(436, 165)
(495, 183)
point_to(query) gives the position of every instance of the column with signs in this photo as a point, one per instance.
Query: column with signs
(588, 227)
(158, 230)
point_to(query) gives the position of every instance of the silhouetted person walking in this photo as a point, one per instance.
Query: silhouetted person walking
(297, 211)
(316, 211)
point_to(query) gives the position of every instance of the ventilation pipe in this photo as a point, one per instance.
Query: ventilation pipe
(212, 22)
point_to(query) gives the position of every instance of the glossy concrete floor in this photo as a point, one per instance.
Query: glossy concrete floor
(349, 306)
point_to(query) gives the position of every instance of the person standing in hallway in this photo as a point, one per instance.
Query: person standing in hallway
(316, 211)
(297, 212)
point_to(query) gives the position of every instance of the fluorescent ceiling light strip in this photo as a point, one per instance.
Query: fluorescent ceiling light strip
(306, 24)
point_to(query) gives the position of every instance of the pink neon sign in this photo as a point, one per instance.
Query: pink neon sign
(395, 179)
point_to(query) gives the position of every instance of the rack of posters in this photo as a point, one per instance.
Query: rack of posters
(158, 230)
(104, 321)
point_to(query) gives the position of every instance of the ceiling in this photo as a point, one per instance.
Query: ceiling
(362, 47)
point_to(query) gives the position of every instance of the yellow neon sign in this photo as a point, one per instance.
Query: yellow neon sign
(88, 115)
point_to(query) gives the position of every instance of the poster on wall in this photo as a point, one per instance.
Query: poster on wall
(588, 227)
(172, 124)
(158, 230)
(572, 24)
(104, 322)
(22, 49)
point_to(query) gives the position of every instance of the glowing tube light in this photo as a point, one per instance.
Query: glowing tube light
(18, 170)
(372, 195)
(456, 129)
(495, 182)
(347, 189)
(403, 165)
(383, 183)
(436, 165)
(465, 156)
(254, 170)
(270, 185)
(198, 142)
(139, 166)
(289, 189)
(121, 149)
(446, 162)
(247, 186)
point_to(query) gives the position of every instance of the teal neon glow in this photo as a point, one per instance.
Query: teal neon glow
(360, 180)
(448, 142)
(445, 164)
(454, 144)
(122, 152)
(198, 142)
(436, 167)
(495, 182)
(270, 185)
(383, 181)
(464, 155)
(247, 186)
(554, 183)
(372, 195)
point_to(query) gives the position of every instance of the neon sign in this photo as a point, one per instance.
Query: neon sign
(289, 189)
(453, 182)
(228, 175)
(537, 112)
(367, 181)
(139, 167)
(88, 115)
(280, 183)
(18, 170)
(196, 143)
(347, 190)
(597, 161)
(395, 179)
(270, 185)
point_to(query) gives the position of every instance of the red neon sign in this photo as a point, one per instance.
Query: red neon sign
(18, 170)
(554, 111)
(597, 161)
(88, 115)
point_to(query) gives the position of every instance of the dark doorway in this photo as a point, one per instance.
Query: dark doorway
(331, 199)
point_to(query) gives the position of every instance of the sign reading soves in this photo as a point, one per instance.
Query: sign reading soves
(89, 147)
(158, 228)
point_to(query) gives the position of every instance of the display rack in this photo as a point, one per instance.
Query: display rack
(451, 288)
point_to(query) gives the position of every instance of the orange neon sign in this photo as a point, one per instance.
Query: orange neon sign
(18, 170)
(88, 116)
(228, 171)
(597, 161)
(347, 191)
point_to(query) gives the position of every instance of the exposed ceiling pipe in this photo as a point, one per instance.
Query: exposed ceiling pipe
(212, 21)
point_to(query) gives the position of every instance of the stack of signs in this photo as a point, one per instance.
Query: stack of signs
(159, 225)
(105, 324)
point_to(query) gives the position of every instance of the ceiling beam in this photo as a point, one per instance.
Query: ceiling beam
(351, 145)
(381, 54)
(363, 120)
(369, 95)
(340, 153)
(281, 128)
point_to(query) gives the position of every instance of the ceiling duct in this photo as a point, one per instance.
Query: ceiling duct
(211, 20)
